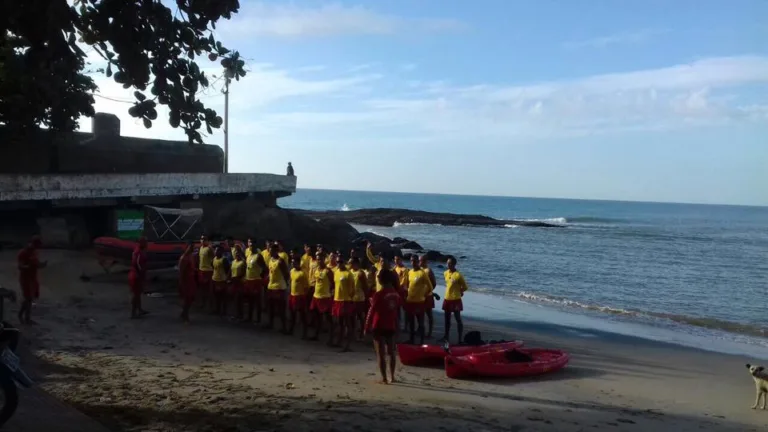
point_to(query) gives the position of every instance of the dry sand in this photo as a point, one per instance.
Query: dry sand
(157, 374)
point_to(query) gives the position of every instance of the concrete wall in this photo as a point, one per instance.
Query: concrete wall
(100, 186)
(80, 153)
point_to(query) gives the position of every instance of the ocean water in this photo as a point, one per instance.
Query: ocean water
(695, 275)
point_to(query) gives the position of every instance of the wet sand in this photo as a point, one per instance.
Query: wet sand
(157, 374)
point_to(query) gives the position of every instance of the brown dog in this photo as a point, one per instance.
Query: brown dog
(761, 383)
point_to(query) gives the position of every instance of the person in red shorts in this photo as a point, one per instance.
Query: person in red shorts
(429, 302)
(419, 287)
(297, 303)
(236, 288)
(29, 263)
(187, 281)
(253, 287)
(137, 277)
(322, 299)
(455, 287)
(205, 271)
(361, 294)
(381, 321)
(344, 305)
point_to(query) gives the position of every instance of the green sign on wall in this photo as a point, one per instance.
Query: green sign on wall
(130, 224)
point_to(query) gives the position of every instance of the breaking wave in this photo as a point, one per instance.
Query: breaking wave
(708, 323)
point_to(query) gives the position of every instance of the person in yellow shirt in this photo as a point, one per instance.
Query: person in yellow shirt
(253, 286)
(455, 287)
(361, 294)
(236, 281)
(344, 305)
(309, 265)
(419, 286)
(205, 271)
(322, 300)
(283, 254)
(429, 303)
(279, 276)
(297, 304)
(333, 261)
(377, 261)
(402, 279)
(249, 248)
(220, 278)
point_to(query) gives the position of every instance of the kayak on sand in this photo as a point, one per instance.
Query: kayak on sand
(432, 354)
(513, 363)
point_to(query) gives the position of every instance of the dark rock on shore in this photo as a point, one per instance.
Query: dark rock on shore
(388, 217)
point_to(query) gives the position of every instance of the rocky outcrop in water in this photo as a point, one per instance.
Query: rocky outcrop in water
(389, 217)
(251, 219)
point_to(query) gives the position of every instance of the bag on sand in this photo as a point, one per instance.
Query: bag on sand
(473, 338)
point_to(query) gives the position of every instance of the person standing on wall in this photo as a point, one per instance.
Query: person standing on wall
(29, 263)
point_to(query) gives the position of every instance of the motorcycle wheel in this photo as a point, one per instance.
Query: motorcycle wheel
(10, 396)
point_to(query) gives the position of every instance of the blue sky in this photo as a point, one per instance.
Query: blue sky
(633, 100)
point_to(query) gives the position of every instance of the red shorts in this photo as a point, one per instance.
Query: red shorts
(30, 289)
(236, 287)
(187, 290)
(414, 309)
(277, 294)
(135, 282)
(344, 309)
(429, 302)
(362, 306)
(298, 303)
(453, 305)
(323, 305)
(204, 278)
(219, 286)
(253, 287)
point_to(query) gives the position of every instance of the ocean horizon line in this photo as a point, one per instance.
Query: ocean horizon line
(680, 203)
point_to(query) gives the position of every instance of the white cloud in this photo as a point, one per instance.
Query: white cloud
(622, 38)
(281, 106)
(330, 19)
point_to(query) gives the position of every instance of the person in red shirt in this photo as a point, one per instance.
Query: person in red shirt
(382, 320)
(29, 263)
(187, 281)
(137, 277)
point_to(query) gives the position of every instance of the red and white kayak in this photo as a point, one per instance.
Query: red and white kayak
(518, 362)
(432, 354)
(159, 254)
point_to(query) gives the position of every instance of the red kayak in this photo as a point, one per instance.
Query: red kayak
(427, 355)
(518, 362)
(159, 254)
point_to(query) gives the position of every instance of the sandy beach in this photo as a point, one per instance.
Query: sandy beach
(157, 374)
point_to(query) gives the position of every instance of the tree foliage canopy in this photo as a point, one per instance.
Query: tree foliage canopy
(145, 44)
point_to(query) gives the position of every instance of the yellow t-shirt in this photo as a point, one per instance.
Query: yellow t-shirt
(266, 255)
(305, 262)
(372, 259)
(284, 256)
(419, 286)
(299, 282)
(344, 285)
(276, 278)
(311, 272)
(252, 269)
(370, 276)
(219, 270)
(238, 268)
(247, 253)
(455, 285)
(402, 276)
(322, 283)
(361, 285)
(206, 258)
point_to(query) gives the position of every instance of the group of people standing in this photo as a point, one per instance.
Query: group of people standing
(351, 295)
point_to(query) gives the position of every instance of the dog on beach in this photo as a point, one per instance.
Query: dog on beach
(760, 375)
